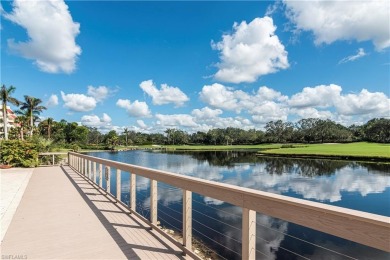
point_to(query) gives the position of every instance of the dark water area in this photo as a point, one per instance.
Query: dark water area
(355, 185)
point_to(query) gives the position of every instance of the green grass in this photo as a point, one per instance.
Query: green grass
(361, 149)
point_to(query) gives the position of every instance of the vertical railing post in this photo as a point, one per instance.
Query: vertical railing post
(94, 172)
(89, 169)
(100, 175)
(108, 179)
(153, 202)
(118, 184)
(85, 167)
(133, 186)
(79, 164)
(248, 234)
(53, 159)
(187, 219)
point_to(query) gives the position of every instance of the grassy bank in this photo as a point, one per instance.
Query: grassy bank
(353, 150)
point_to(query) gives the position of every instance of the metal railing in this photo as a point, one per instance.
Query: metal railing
(53, 158)
(361, 227)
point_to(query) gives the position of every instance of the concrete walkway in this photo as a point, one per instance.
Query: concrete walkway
(62, 216)
(13, 184)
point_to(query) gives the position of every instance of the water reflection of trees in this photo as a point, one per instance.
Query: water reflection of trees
(273, 165)
(222, 158)
(308, 168)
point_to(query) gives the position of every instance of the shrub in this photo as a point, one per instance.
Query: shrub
(18, 153)
(287, 146)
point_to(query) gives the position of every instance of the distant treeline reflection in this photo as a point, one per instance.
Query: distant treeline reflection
(279, 165)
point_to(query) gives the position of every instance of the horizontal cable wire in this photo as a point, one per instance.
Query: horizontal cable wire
(217, 209)
(181, 213)
(302, 240)
(218, 232)
(216, 220)
(172, 217)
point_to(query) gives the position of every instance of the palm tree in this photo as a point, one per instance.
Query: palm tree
(21, 121)
(32, 107)
(126, 132)
(48, 123)
(5, 96)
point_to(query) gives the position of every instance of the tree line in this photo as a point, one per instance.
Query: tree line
(68, 134)
(310, 130)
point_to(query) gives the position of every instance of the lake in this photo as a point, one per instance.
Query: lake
(355, 185)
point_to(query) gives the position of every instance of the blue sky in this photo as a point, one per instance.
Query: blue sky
(150, 66)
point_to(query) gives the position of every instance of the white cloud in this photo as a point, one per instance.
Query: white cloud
(343, 20)
(135, 109)
(319, 96)
(374, 104)
(142, 124)
(360, 53)
(51, 34)
(266, 104)
(222, 97)
(95, 121)
(78, 102)
(175, 120)
(165, 95)
(219, 96)
(99, 93)
(206, 113)
(348, 108)
(251, 51)
(53, 101)
(269, 111)
(311, 112)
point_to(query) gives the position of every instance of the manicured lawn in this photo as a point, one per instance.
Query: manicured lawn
(361, 149)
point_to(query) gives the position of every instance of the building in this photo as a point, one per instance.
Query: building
(11, 121)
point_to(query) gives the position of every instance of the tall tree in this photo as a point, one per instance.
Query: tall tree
(126, 132)
(50, 122)
(5, 96)
(32, 107)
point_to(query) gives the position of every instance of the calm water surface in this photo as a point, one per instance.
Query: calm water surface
(355, 185)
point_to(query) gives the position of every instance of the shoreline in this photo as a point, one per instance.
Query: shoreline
(328, 156)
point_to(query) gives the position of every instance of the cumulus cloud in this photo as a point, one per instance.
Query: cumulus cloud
(142, 124)
(250, 51)
(319, 96)
(310, 112)
(371, 103)
(95, 121)
(51, 34)
(135, 109)
(165, 95)
(266, 104)
(222, 97)
(175, 120)
(99, 93)
(342, 20)
(78, 102)
(206, 113)
(219, 96)
(53, 101)
(360, 53)
(269, 111)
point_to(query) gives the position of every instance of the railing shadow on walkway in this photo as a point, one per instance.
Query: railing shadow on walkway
(128, 249)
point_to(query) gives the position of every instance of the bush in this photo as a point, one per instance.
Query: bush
(18, 153)
(287, 146)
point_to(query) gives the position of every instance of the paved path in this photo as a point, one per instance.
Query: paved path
(62, 216)
(13, 184)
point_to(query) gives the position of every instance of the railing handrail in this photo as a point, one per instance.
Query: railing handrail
(358, 226)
